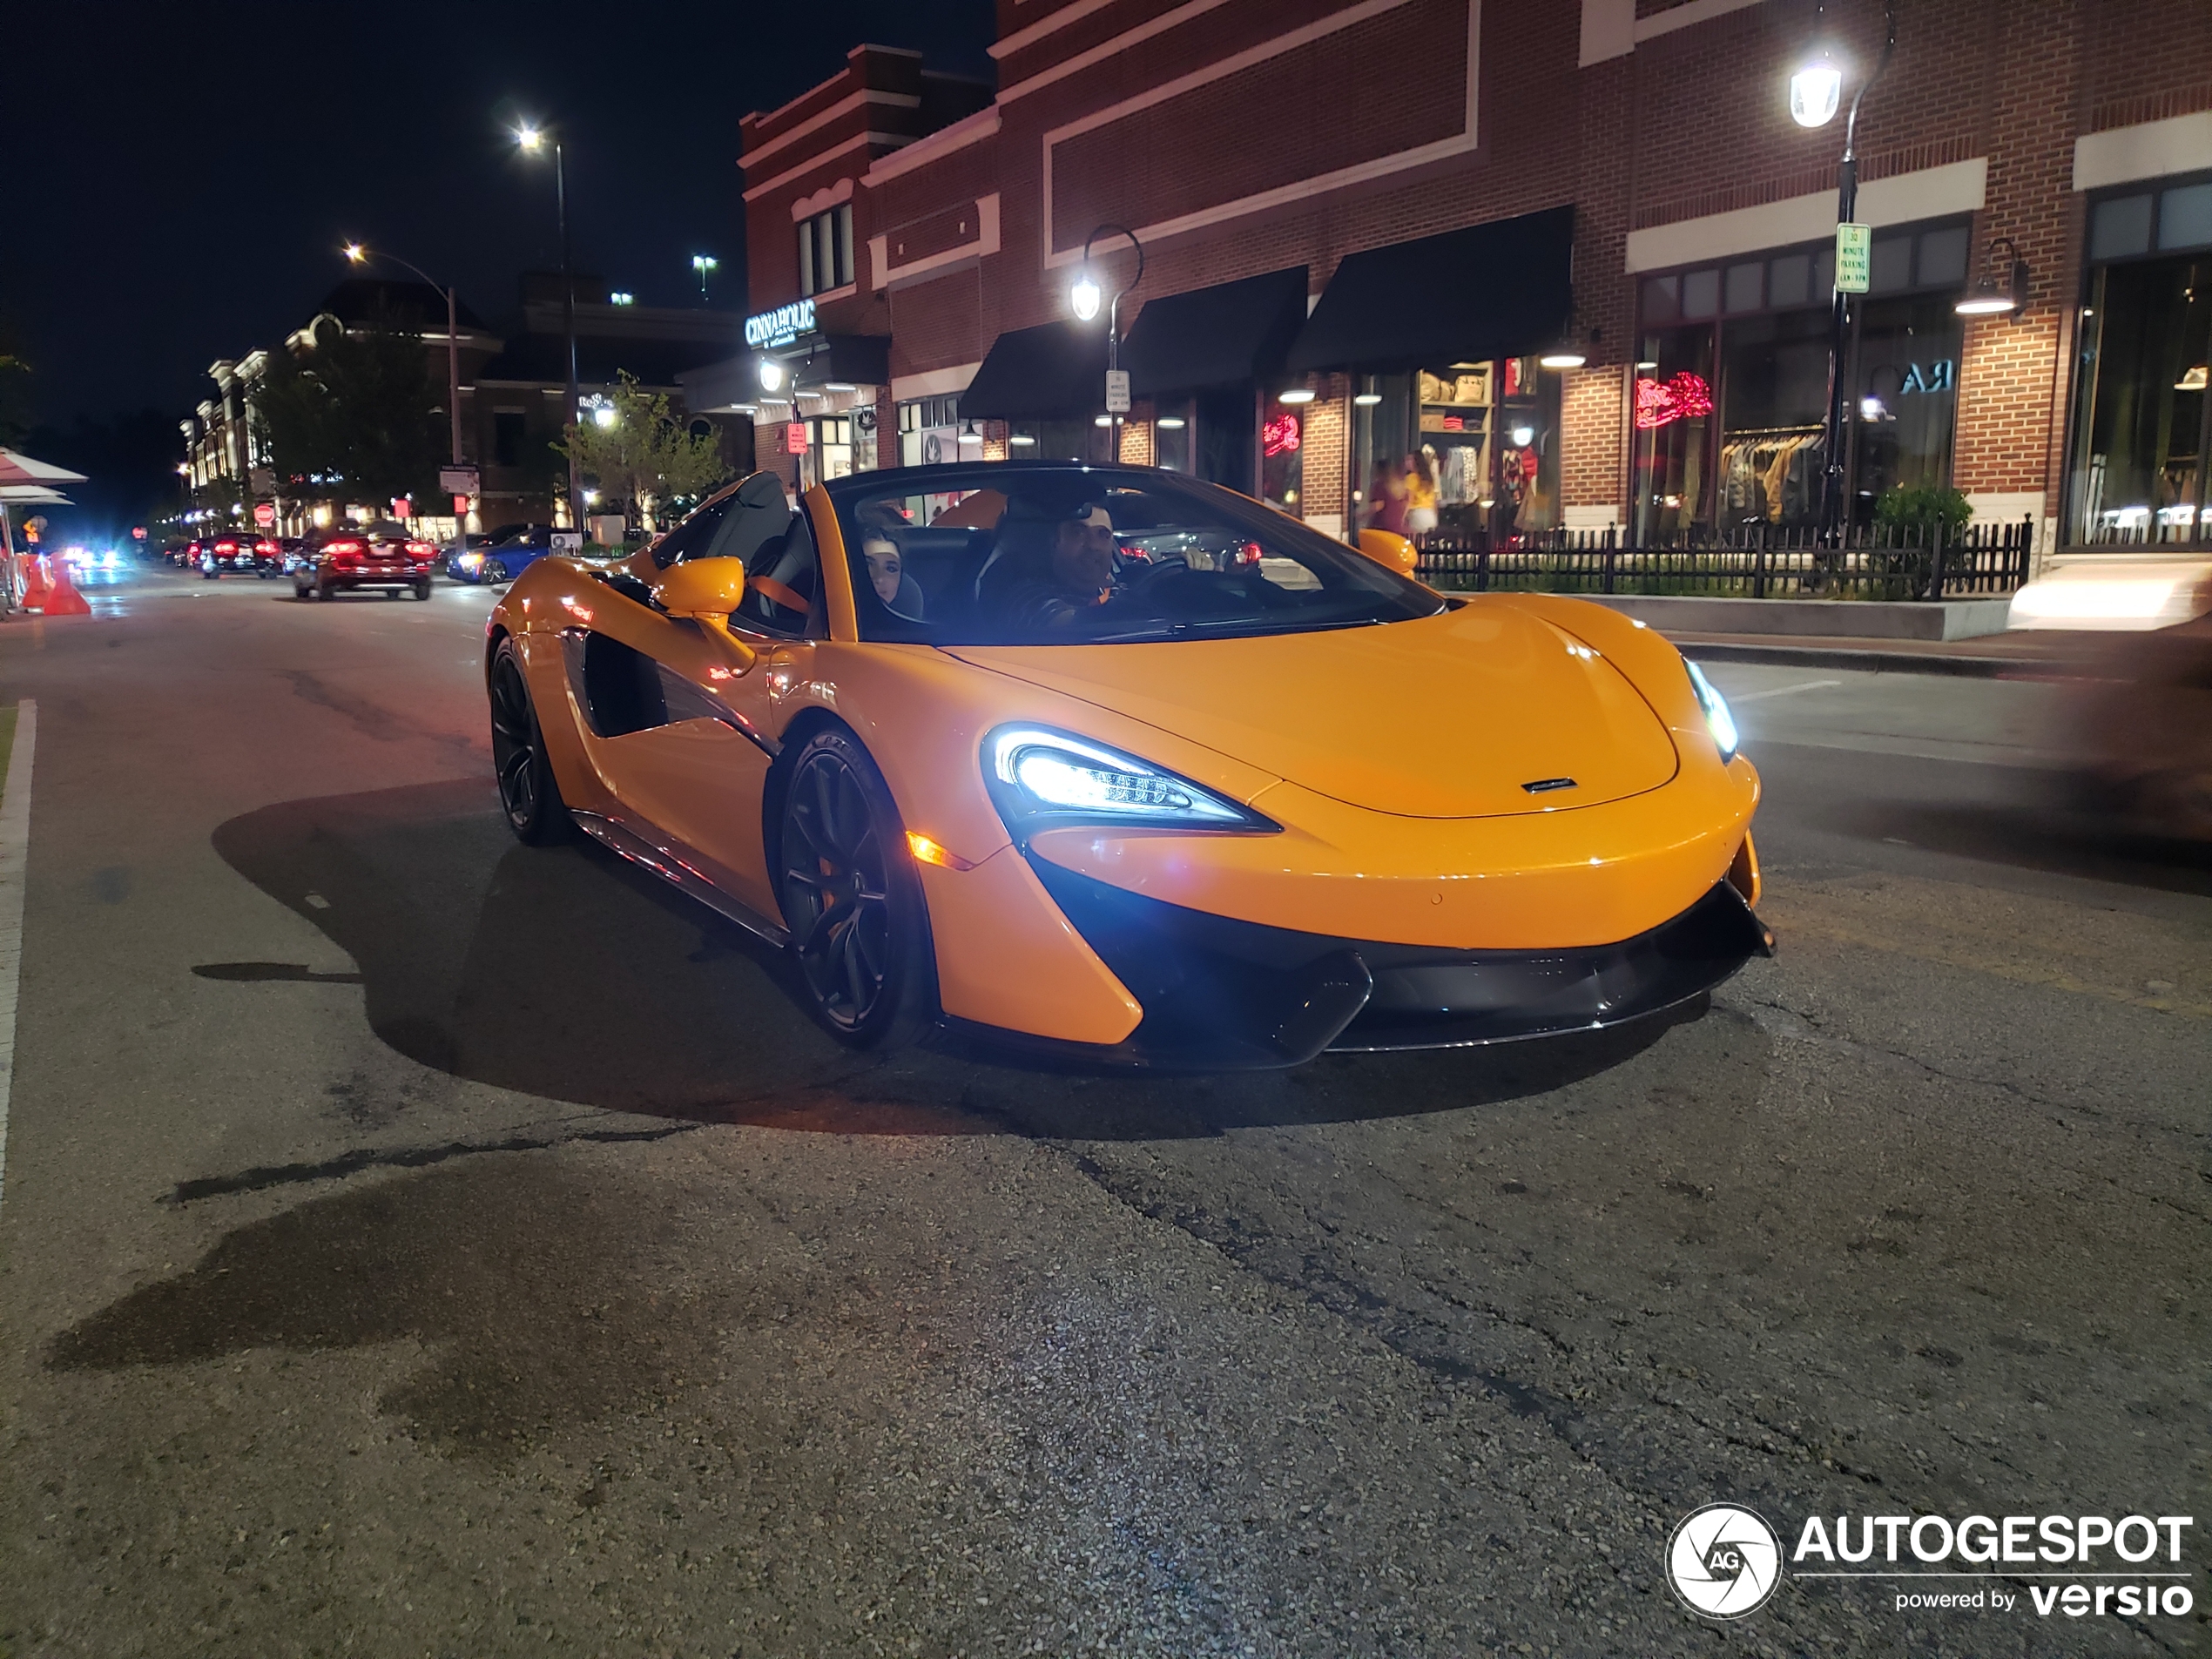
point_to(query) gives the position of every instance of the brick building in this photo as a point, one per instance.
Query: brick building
(1365, 227)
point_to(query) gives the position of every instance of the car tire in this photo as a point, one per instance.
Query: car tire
(859, 928)
(529, 793)
(494, 571)
(423, 589)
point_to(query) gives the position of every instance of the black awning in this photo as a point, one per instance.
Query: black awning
(1055, 371)
(1219, 336)
(1494, 290)
(865, 360)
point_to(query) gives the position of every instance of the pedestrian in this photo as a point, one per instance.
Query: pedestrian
(1420, 494)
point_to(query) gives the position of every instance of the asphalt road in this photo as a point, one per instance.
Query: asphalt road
(416, 1244)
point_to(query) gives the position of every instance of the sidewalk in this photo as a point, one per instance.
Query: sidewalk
(2029, 654)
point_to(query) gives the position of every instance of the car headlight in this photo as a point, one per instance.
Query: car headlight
(471, 561)
(1040, 777)
(1718, 720)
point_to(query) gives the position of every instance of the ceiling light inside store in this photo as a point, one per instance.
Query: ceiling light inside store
(1170, 423)
(839, 386)
(1523, 437)
(1296, 395)
(1648, 365)
(1022, 440)
(1368, 399)
(2195, 380)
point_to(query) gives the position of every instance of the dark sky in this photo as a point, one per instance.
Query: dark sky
(181, 177)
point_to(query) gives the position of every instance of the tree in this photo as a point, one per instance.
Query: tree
(357, 406)
(644, 457)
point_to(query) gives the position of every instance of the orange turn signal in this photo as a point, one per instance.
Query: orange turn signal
(930, 852)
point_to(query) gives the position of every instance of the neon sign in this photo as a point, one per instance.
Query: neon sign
(1279, 435)
(781, 326)
(1682, 398)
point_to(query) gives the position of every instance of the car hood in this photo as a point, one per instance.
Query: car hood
(1450, 716)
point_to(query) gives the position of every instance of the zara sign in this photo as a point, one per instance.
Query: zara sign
(781, 326)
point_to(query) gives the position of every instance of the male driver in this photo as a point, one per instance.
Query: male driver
(1064, 585)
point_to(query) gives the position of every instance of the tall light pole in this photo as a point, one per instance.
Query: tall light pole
(1815, 88)
(359, 255)
(1084, 297)
(533, 139)
(703, 263)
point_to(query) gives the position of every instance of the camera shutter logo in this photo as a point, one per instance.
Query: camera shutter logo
(1723, 1560)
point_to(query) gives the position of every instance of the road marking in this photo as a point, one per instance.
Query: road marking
(1783, 690)
(14, 857)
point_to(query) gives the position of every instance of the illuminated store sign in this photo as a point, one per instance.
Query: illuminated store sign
(1279, 435)
(1659, 403)
(781, 326)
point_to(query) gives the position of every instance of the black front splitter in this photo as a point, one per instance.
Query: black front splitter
(1222, 994)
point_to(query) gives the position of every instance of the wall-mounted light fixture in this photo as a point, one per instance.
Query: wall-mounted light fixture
(1987, 298)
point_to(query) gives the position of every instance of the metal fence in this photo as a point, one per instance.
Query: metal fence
(1760, 563)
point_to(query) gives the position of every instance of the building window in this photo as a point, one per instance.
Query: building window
(507, 431)
(929, 432)
(1731, 390)
(2143, 445)
(826, 251)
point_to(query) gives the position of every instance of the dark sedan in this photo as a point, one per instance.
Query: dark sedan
(239, 553)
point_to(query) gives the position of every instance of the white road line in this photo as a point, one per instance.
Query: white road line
(15, 859)
(1782, 690)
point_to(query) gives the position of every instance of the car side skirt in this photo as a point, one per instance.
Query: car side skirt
(652, 848)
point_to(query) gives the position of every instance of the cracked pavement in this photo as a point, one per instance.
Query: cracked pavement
(417, 1243)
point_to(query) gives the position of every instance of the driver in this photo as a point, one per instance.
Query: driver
(1067, 583)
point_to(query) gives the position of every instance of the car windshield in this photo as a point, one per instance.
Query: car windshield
(1016, 554)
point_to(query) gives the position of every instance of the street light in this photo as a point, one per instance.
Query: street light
(1082, 298)
(702, 264)
(355, 254)
(1817, 83)
(533, 140)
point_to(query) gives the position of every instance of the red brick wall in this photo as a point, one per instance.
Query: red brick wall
(1593, 470)
(2013, 392)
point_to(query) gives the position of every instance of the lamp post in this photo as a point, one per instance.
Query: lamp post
(1083, 296)
(1816, 89)
(359, 255)
(703, 263)
(533, 140)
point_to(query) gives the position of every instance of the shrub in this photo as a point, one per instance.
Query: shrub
(1924, 508)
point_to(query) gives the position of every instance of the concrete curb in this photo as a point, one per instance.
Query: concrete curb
(1875, 661)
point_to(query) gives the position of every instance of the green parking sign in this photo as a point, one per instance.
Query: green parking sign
(1854, 257)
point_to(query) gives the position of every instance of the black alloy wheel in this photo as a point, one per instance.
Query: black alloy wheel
(850, 896)
(528, 791)
(494, 570)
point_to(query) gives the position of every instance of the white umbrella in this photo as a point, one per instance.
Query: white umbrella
(34, 496)
(19, 468)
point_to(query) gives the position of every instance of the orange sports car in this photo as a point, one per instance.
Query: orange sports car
(1127, 766)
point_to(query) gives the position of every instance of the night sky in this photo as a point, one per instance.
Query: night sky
(181, 177)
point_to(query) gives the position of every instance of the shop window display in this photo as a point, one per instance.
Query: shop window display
(2142, 440)
(1732, 388)
(1464, 449)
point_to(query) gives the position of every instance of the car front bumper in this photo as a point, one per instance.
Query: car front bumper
(1219, 993)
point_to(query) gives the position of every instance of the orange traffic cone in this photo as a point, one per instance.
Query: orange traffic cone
(62, 597)
(34, 585)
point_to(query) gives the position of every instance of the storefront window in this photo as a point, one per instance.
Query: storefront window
(2142, 435)
(1282, 454)
(1673, 425)
(1735, 364)
(1464, 449)
(1904, 396)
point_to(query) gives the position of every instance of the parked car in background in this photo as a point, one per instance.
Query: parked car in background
(511, 551)
(383, 556)
(241, 553)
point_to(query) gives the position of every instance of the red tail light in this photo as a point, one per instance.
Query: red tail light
(268, 549)
(353, 548)
(419, 549)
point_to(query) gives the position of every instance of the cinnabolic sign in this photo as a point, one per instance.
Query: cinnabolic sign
(1725, 1562)
(780, 327)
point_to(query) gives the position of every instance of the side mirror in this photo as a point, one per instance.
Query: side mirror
(706, 591)
(1389, 549)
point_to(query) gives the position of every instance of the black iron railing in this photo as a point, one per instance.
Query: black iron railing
(1759, 563)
